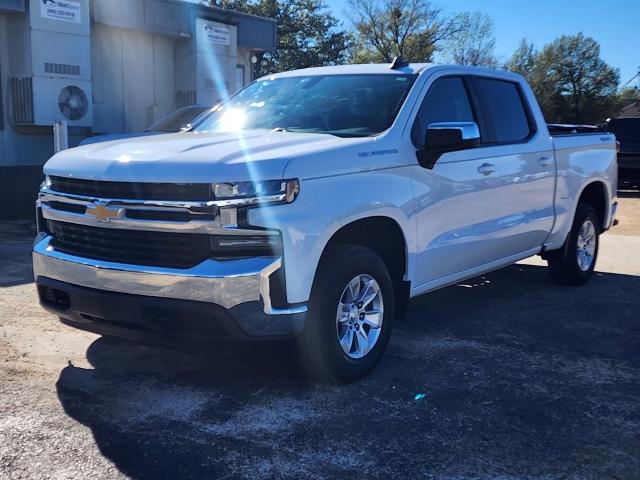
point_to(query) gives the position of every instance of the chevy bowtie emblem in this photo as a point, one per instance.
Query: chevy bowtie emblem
(102, 212)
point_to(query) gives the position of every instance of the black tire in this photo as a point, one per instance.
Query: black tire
(323, 357)
(563, 263)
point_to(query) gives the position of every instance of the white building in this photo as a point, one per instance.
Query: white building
(109, 66)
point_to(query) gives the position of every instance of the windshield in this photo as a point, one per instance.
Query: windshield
(178, 119)
(342, 105)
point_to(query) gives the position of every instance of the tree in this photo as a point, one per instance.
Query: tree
(523, 59)
(584, 81)
(387, 28)
(572, 83)
(629, 95)
(237, 5)
(474, 43)
(526, 61)
(308, 35)
(626, 97)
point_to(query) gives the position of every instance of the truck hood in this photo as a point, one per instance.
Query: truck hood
(192, 157)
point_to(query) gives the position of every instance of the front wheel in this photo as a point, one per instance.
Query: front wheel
(574, 263)
(350, 315)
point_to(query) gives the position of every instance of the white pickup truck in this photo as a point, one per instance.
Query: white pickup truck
(314, 204)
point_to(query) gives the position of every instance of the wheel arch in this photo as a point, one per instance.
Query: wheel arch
(596, 194)
(388, 241)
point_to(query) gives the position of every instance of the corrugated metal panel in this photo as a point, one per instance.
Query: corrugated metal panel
(1, 106)
(134, 79)
(108, 95)
(164, 76)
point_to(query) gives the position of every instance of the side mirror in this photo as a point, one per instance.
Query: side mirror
(443, 137)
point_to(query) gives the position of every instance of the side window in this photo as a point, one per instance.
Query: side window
(504, 109)
(446, 101)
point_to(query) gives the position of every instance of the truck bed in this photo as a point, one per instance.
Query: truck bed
(559, 129)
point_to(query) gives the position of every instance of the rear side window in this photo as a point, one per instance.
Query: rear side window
(505, 110)
(446, 101)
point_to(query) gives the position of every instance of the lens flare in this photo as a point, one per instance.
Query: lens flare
(233, 120)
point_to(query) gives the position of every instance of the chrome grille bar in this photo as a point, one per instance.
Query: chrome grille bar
(204, 217)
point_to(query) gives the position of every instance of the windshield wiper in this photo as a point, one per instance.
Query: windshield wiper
(302, 130)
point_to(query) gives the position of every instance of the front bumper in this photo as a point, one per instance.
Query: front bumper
(115, 298)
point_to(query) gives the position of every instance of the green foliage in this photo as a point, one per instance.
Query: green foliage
(523, 59)
(308, 35)
(628, 95)
(572, 83)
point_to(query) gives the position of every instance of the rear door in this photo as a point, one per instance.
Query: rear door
(527, 171)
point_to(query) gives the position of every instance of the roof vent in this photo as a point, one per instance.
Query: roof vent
(398, 63)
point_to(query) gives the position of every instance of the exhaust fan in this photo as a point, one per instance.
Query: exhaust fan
(73, 102)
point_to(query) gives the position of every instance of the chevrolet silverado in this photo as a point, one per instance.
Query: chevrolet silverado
(313, 204)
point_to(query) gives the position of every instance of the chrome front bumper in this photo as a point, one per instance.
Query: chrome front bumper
(240, 286)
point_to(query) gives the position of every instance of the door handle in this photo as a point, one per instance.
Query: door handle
(545, 161)
(486, 169)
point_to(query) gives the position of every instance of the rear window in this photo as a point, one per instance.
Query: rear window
(505, 110)
(625, 128)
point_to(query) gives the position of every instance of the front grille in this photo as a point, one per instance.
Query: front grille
(171, 250)
(187, 192)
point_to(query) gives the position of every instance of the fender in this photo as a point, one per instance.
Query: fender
(309, 223)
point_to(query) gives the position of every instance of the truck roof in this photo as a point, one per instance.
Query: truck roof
(359, 69)
(385, 68)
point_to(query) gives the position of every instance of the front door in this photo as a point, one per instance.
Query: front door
(456, 209)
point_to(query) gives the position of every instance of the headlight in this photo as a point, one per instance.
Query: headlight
(248, 193)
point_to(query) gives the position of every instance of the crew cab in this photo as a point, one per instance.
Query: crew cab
(313, 204)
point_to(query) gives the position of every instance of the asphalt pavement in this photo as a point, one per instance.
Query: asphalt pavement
(504, 376)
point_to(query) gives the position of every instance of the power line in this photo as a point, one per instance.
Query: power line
(631, 79)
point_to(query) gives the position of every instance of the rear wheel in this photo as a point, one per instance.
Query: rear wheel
(350, 315)
(574, 263)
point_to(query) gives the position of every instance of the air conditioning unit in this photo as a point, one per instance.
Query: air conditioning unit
(42, 101)
(54, 83)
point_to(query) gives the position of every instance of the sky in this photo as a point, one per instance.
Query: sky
(615, 24)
